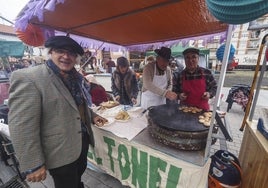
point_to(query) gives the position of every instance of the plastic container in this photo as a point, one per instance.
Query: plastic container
(225, 170)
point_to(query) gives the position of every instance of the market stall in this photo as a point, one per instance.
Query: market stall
(159, 23)
(126, 150)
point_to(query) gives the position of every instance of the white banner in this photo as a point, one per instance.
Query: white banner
(137, 165)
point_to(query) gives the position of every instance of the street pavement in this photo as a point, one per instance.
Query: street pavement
(235, 117)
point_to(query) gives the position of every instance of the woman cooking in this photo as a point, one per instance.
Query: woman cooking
(195, 85)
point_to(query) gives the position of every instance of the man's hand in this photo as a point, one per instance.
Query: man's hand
(38, 175)
(117, 98)
(134, 101)
(206, 96)
(171, 95)
(182, 96)
(100, 121)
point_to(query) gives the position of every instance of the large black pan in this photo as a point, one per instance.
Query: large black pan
(169, 116)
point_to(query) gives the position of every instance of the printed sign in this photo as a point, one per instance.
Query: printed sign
(137, 165)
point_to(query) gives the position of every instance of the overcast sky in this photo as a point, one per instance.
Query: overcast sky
(9, 9)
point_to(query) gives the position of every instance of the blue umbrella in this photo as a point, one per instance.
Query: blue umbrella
(220, 53)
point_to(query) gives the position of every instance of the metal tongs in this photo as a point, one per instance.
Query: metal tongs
(142, 113)
(145, 110)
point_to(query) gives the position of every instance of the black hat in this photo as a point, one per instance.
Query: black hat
(64, 42)
(193, 50)
(164, 53)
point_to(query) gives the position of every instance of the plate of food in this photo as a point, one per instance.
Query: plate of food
(109, 104)
(109, 122)
(122, 116)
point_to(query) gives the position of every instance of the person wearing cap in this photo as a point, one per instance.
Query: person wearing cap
(49, 116)
(157, 80)
(195, 85)
(124, 83)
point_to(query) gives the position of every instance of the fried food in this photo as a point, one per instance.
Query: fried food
(122, 115)
(205, 118)
(201, 117)
(208, 114)
(109, 104)
(201, 120)
(190, 109)
(206, 123)
(102, 123)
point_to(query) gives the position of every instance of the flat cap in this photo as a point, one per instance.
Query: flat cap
(64, 42)
(192, 50)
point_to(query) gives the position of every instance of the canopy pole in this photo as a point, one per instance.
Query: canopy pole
(263, 68)
(218, 93)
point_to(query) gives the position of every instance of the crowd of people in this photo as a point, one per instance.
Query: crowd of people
(50, 113)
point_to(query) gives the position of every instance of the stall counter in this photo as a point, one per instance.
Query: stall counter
(136, 164)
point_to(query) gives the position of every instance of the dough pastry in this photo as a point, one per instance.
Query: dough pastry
(207, 123)
(201, 117)
(208, 114)
(122, 115)
(109, 104)
(201, 120)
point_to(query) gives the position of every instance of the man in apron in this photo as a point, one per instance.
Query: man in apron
(157, 80)
(195, 85)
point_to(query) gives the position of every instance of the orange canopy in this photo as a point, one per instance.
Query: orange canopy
(131, 22)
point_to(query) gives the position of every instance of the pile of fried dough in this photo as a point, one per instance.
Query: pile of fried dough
(205, 118)
(109, 104)
(122, 115)
(190, 109)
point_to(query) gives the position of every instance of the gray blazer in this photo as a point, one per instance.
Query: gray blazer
(44, 120)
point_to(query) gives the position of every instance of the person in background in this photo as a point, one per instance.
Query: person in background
(195, 85)
(85, 60)
(84, 64)
(93, 63)
(149, 59)
(173, 66)
(176, 68)
(97, 67)
(124, 83)
(157, 80)
(26, 62)
(49, 116)
(109, 65)
(97, 91)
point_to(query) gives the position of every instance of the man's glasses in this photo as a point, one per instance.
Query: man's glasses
(65, 52)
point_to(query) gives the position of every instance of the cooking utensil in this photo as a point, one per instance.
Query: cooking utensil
(170, 117)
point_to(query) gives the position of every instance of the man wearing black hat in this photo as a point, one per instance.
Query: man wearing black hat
(195, 85)
(157, 80)
(49, 116)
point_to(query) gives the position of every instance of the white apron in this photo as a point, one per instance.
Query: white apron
(151, 99)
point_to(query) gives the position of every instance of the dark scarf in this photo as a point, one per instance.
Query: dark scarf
(75, 83)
